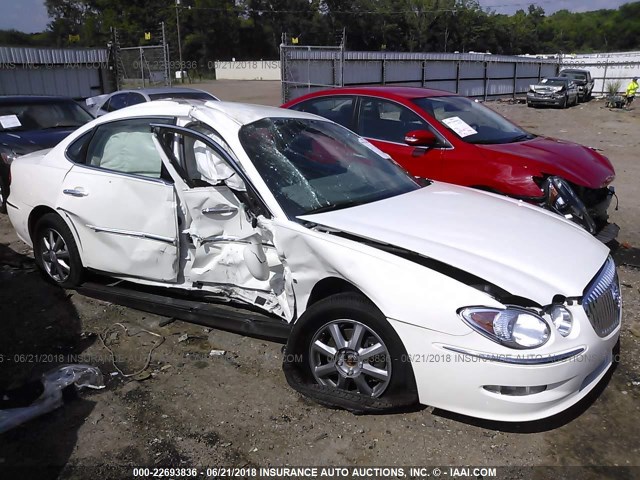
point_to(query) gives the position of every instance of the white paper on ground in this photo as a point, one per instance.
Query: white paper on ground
(459, 126)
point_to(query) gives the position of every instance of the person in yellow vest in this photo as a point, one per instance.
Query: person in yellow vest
(631, 90)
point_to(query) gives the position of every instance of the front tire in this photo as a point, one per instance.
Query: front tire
(344, 353)
(56, 252)
(565, 102)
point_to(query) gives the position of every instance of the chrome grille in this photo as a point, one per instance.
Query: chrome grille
(602, 300)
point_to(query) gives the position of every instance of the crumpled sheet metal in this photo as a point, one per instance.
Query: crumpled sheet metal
(54, 381)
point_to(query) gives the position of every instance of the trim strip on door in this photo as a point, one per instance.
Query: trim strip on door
(128, 233)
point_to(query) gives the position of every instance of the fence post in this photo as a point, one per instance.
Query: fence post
(165, 56)
(141, 67)
(424, 72)
(486, 80)
(539, 71)
(458, 76)
(309, 70)
(343, 46)
(283, 70)
(384, 73)
(515, 78)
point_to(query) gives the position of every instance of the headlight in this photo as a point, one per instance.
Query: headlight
(563, 200)
(561, 318)
(512, 327)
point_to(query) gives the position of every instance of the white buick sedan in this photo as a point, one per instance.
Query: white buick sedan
(276, 223)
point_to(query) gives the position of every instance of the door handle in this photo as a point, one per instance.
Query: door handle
(220, 210)
(75, 192)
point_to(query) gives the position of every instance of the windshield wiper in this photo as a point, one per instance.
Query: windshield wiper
(338, 206)
(63, 125)
(499, 141)
(525, 136)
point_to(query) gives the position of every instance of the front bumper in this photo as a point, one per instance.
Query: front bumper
(537, 99)
(451, 374)
(586, 207)
(582, 91)
(598, 207)
(597, 204)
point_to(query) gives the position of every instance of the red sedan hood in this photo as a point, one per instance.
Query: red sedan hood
(576, 163)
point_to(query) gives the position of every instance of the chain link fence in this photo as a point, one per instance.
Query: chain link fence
(144, 65)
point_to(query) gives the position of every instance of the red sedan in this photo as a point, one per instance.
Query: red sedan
(443, 136)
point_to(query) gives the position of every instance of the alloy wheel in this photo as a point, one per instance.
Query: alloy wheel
(349, 355)
(55, 255)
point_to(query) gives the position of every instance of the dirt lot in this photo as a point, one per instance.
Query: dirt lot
(237, 410)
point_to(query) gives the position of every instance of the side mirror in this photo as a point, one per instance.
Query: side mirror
(420, 138)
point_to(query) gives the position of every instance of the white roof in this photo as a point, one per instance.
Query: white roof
(244, 113)
(240, 113)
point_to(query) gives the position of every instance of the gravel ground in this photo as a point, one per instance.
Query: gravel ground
(237, 410)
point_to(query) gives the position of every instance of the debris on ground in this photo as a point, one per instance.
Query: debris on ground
(107, 341)
(52, 385)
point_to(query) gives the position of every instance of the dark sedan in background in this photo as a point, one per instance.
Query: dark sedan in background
(30, 123)
(556, 91)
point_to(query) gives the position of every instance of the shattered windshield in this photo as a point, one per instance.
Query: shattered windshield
(312, 166)
(472, 121)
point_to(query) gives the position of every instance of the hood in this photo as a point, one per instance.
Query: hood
(30, 141)
(522, 249)
(541, 88)
(549, 156)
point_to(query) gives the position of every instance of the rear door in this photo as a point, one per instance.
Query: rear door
(122, 202)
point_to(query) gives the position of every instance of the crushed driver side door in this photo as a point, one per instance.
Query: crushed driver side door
(223, 250)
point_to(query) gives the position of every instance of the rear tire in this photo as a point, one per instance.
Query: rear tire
(344, 353)
(56, 253)
(565, 102)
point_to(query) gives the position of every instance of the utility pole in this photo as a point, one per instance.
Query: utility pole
(165, 57)
(179, 42)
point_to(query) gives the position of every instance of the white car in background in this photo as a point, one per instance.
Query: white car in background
(388, 292)
(110, 102)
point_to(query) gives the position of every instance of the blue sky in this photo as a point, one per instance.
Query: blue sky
(31, 15)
